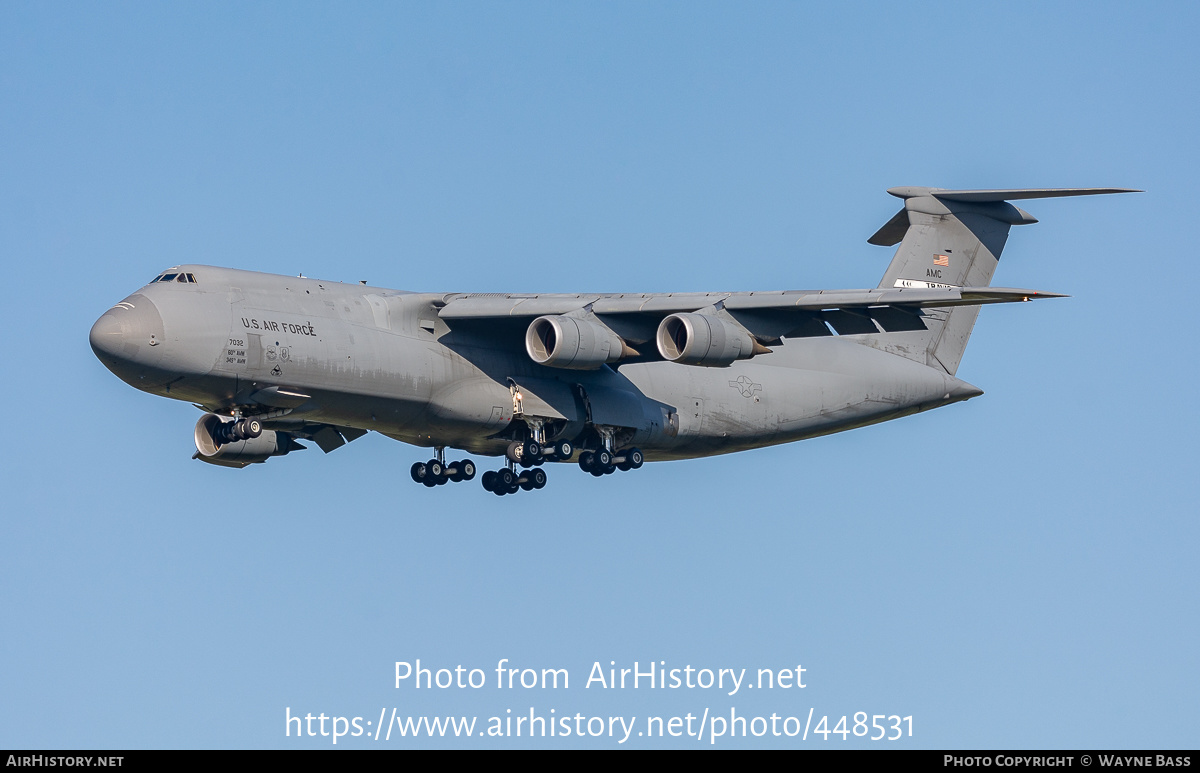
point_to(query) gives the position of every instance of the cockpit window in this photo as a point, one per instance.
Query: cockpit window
(185, 278)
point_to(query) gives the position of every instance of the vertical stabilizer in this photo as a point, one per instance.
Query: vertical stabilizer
(953, 239)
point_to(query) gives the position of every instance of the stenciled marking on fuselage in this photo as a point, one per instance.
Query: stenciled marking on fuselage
(746, 385)
(273, 326)
(235, 355)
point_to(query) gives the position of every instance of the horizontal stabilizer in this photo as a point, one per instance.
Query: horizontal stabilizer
(1002, 194)
(911, 295)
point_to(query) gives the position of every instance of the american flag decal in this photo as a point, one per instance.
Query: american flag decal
(941, 260)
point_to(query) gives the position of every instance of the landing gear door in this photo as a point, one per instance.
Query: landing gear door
(617, 407)
(544, 399)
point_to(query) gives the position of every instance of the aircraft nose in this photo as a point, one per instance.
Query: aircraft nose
(127, 337)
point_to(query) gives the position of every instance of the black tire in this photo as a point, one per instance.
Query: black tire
(515, 451)
(563, 450)
(635, 458)
(526, 482)
(538, 479)
(466, 470)
(586, 459)
(437, 470)
(252, 428)
(489, 480)
(603, 458)
(533, 450)
(418, 472)
(624, 466)
(505, 479)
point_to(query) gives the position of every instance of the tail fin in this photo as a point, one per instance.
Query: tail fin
(954, 239)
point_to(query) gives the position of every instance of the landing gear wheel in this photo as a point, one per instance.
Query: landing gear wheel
(418, 472)
(436, 469)
(563, 451)
(537, 479)
(505, 482)
(532, 450)
(586, 460)
(634, 458)
(515, 451)
(602, 458)
(489, 480)
(526, 482)
(251, 428)
(466, 469)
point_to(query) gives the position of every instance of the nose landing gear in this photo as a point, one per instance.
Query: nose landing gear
(242, 429)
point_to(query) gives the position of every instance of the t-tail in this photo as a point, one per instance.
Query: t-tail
(953, 239)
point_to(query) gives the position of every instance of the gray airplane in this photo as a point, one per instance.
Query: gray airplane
(606, 380)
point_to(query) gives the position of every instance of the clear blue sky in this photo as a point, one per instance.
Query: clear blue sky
(1017, 571)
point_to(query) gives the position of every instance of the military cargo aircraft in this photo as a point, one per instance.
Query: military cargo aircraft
(606, 380)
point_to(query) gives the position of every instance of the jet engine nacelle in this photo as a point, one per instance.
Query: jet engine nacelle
(217, 443)
(703, 339)
(572, 343)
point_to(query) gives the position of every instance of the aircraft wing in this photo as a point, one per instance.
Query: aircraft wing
(768, 316)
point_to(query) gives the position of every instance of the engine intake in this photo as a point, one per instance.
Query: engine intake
(572, 343)
(238, 443)
(703, 339)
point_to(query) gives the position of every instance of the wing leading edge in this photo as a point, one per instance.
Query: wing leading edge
(766, 316)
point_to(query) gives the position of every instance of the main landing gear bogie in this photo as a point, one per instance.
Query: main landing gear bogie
(522, 470)
(435, 473)
(531, 453)
(604, 462)
(508, 481)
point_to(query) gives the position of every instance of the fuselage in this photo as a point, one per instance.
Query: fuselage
(298, 350)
